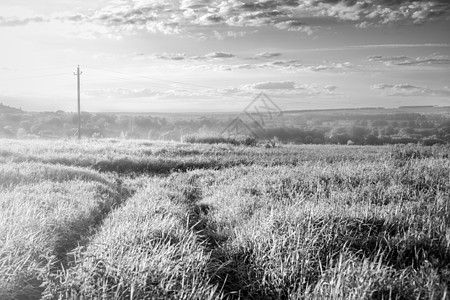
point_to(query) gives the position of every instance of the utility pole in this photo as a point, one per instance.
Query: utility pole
(78, 73)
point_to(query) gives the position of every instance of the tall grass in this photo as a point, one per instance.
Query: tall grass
(295, 222)
(13, 174)
(139, 157)
(330, 230)
(147, 249)
(333, 231)
(41, 220)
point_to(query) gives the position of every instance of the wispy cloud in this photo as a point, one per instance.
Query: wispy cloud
(406, 89)
(267, 55)
(148, 93)
(219, 55)
(287, 65)
(431, 60)
(425, 45)
(284, 85)
(285, 89)
(295, 25)
(215, 56)
(14, 21)
(289, 89)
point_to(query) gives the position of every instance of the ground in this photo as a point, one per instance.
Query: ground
(121, 219)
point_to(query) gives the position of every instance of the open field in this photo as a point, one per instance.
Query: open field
(119, 219)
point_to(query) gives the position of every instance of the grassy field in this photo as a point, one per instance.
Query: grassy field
(117, 219)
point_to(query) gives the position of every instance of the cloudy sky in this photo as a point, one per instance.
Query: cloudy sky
(197, 55)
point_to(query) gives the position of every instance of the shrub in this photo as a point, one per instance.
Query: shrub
(219, 139)
(432, 141)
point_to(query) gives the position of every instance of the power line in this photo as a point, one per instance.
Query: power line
(217, 93)
(160, 85)
(36, 76)
(157, 79)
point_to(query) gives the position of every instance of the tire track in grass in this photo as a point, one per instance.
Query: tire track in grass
(41, 220)
(146, 249)
(281, 252)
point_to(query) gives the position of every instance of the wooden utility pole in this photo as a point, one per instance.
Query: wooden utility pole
(78, 73)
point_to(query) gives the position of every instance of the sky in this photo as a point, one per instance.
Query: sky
(217, 56)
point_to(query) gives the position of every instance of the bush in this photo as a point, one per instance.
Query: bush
(219, 139)
(432, 141)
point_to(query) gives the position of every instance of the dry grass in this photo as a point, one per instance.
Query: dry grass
(147, 249)
(296, 222)
(45, 211)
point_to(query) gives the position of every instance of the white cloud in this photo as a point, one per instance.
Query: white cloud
(431, 60)
(219, 55)
(267, 55)
(406, 89)
(290, 66)
(169, 56)
(221, 35)
(147, 93)
(188, 17)
(330, 87)
(284, 85)
(380, 12)
(282, 89)
(294, 25)
(289, 89)
(14, 21)
(182, 56)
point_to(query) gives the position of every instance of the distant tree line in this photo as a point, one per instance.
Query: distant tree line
(354, 128)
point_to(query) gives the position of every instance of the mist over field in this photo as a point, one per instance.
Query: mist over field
(426, 125)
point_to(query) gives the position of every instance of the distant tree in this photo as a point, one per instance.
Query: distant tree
(380, 123)
(372, 140)
(26, 124)
(338, 130)
(144, 121)
(432, 141)
(389, 130)
(317, 141)
(406, 131)
(86, 117)
(375, 132)
(444, 130)
(299, 140)
(309, 139)
(412, 124)
(339, 139)
(54, 121)
(21, 133)
(7, 132)
(363, 123)
(357, 133)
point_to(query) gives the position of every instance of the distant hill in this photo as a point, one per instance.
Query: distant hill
(9, 109)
